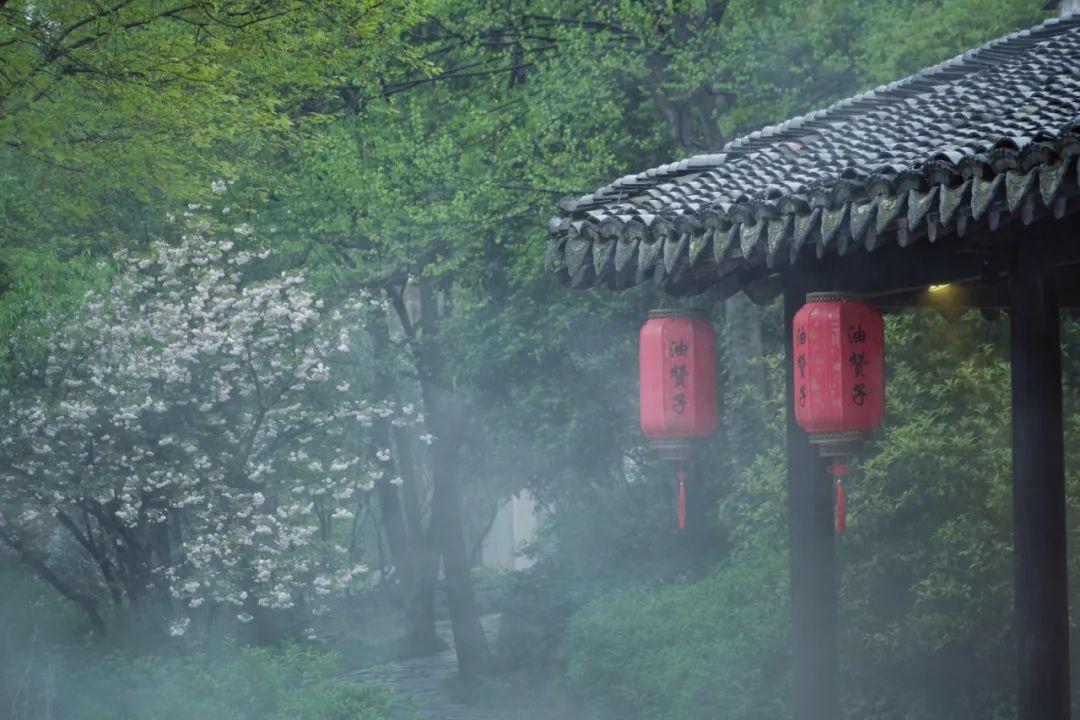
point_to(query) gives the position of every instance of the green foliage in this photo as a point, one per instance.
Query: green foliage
(713, 650)
(596, 540)
(899, 38)
(926, 587)
(113, 113)
(927, 562)
(246, 683)
(31, 617)
(47, 670)
(137, 99)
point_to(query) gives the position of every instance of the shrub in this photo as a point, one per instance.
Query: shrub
(579, 559)
(48, 671)
(242, 684)
(713, 650)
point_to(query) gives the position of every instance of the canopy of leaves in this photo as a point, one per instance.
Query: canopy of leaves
(113, 113)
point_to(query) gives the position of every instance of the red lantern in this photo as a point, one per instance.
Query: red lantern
(677, 355)
(678, 380)
(839, 376)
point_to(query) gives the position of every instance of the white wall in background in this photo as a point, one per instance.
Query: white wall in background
(515, 525)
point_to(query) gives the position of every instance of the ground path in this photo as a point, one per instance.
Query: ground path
(430, 685)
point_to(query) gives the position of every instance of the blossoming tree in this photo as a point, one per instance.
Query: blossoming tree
(192, 433)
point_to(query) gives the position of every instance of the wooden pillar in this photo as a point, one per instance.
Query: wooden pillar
(696, 505)
(1039, 534)
(814, 671)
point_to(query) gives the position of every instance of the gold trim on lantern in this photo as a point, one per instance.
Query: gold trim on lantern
(834, 296)
(675, 448)
(844, 442)
(660, 313)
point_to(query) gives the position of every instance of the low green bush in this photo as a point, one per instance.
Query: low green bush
(492, 588)
(580, 557)
(239, 684)
(51, 669)
(710, 650)
(248, 683)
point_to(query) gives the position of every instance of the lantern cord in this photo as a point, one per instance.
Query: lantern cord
(681, 475)
(838, 470)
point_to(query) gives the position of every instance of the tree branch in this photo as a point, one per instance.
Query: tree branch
(42, 569)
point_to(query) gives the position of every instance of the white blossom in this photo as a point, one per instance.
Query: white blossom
(179, 627)
(246, 362)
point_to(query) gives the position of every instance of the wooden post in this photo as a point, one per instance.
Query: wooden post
(1039, 534)
(814, 661)
(696, 515)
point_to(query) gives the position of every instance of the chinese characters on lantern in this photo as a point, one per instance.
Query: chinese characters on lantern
(676, 350)
(857, 360)
(800, 350)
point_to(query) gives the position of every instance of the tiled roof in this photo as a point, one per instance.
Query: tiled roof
(970, 142)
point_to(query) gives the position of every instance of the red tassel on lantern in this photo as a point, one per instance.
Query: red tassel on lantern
(682, 499)
(838, 471)
(841, 507)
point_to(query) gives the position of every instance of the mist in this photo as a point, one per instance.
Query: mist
(311, 409)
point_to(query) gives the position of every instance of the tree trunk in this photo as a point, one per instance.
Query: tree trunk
(469, 641)
(407, 547)
(446, 420)
(421, 602)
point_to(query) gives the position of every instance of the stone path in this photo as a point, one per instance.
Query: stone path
(428, 684)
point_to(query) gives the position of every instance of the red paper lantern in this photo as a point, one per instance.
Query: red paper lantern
(677, 356)
(839, 371)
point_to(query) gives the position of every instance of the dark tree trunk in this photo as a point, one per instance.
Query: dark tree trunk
(446, 419)
(406, 539)
(265, 629)
(469, 641)
(420, 604)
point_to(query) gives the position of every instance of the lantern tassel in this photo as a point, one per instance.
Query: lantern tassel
(681, 475)
(838, 471)
(841, 507)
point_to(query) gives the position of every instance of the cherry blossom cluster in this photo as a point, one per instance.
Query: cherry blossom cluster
(198, 432)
